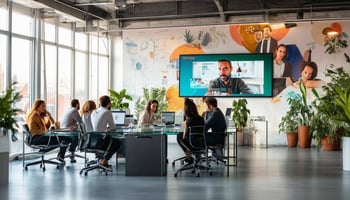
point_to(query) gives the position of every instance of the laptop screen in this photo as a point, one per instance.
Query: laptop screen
(168, 118)
(228, 112)
(119, 117)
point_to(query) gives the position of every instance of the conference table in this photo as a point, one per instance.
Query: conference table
(144, 131)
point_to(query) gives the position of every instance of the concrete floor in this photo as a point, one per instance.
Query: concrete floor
(263, 174)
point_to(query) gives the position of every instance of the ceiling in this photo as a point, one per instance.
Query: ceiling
(130, 14)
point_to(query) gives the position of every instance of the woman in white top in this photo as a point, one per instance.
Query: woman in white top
(147, 116)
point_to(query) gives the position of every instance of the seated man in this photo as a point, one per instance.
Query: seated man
(214, 119)
(70, 119)
(102, 120)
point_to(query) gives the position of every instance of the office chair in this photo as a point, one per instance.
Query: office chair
(88, 145)
(217, 147)
(42, 150)
(199, 148)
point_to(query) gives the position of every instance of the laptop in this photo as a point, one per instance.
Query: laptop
(168, 118)
(119, 117)
(228, 112)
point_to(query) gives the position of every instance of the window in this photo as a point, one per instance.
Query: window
(64, 36)
(49, 32)
(64, 80)
(3, 19)
(3, 49)
(22, 24)
(80, 77)
(81, 41)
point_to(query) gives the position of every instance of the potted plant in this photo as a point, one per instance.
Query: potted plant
(239, 115)
(8, 123)
(8, 112)
(158, 94)
(288, 124)
(118, 99)
(305, 116)
(343, 117)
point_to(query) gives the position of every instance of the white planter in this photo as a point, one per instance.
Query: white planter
(346, 153)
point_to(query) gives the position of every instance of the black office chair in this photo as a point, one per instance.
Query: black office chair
(41, 150)
(87, 144)
(199, 149)
(220, 147)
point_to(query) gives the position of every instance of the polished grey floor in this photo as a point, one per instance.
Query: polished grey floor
(273, 173)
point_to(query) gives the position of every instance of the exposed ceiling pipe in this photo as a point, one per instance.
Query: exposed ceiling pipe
(80, 10)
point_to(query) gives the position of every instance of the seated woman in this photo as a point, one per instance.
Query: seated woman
(39, 121)
(192, 119)
(147, 116)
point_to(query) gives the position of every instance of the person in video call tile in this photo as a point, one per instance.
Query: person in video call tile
(226, 84)
(268, 44)
(281, 68)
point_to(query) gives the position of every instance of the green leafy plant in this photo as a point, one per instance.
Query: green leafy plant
(7, 112)
(343, 101)
(240, 113)
(289, 120)
(118, 99)
(158, 94)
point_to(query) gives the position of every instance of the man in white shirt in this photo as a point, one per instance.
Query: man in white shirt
(102, 120)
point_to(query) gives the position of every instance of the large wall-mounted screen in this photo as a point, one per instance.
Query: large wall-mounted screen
(247, 75)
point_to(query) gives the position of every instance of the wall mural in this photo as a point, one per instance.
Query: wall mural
(151, 56)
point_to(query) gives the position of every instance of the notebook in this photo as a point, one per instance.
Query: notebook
(119, 117)
(168, 118)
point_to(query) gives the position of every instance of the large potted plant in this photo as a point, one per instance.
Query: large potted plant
(288, 124)
(343, 117)
(239, 115)
(327, 131)
(8, 124)
(158, 94)
(305, 116)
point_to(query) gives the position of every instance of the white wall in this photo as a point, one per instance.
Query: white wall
(141, 58)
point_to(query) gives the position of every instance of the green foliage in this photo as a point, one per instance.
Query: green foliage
(289, 120)
(7, 111)
(335, 43)
(240, 113)
(343, 101)
(158, 94)
(118, 99)
(306, 113)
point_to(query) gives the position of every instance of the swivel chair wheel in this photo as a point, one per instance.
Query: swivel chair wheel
(44, 168)
(81, 171)
(26, 168)
(173, 163)
(86, 173)
(175, 175)
(198, 174)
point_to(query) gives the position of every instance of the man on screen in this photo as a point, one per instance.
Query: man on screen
(226, 84)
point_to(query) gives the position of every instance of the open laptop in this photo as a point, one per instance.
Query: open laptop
(119, 117)
(168, 118)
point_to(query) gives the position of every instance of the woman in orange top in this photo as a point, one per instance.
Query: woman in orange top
(39, 121)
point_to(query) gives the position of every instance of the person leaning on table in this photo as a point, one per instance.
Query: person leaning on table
(39, 121)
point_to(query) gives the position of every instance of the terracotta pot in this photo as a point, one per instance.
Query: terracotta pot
(304, 136)
(329, 144)
(292, 139)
